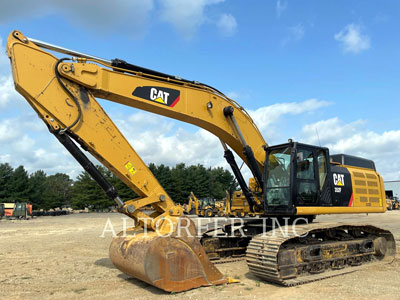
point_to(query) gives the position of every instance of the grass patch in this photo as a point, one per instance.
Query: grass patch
(80, 291)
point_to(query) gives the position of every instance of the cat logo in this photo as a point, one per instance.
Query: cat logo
(338, 179)
(161, 95)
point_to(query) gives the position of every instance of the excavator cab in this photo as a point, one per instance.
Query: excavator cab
(295, 174)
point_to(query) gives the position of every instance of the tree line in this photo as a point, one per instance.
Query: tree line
(59, 190)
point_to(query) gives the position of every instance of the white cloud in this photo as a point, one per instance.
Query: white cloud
(7, 91)
(355, 139)
(159, 140)
(131, 17)
(265, 117)
(7, 130)
(185, 16)
(294, 34)
(227, 24)
(103, 16)
(23, 144)
(240, 95)
(22, 139)
(3, 56)
(328, 130)
(280, 7)
(128, 16)
(352, 39)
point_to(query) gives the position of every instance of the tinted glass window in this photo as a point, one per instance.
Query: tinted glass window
(278, 180)
(305, 177)
(279, 168)
(305, 164)
(322, 167)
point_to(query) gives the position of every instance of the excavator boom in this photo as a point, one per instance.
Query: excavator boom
(41, 78)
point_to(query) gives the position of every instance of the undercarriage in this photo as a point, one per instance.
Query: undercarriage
(297, 253)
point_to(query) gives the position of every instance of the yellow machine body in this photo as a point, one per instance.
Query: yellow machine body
(63, 93)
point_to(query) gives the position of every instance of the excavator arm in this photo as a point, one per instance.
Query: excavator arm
(63, 93)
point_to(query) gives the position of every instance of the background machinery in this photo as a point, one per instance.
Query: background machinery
(203, 207)
(291, 180)
(396, 203)
(206, 207)
(193, 205)
(19, 210)
(392, 203)
(239, 207)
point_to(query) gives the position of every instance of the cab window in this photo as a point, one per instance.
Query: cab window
(305, 177)
(305, 164)
(322, 167)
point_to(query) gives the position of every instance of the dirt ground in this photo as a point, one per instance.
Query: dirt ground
(66, 257)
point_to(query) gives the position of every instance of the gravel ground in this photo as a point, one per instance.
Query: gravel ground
(66, 257)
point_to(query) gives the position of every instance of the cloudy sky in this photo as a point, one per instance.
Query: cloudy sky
(320, 72)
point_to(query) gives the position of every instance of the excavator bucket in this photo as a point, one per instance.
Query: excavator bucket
(173, 263)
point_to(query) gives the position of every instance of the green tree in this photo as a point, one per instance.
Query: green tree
(6, 174)
(180, 180)
(87, 193)
(37, 182)
(57, 191)
(177, 188)
(197, 181)
(19, 188)
(220, 180)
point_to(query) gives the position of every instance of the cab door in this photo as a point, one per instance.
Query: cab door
(312, 177)
(278, 180)
(306, 181)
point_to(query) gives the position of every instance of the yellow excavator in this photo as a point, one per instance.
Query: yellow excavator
(293, 181)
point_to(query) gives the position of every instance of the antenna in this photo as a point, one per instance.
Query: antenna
(316, 130)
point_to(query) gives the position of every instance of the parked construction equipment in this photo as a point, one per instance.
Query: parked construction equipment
(19, 210)
(202, 207)
(292, 180)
